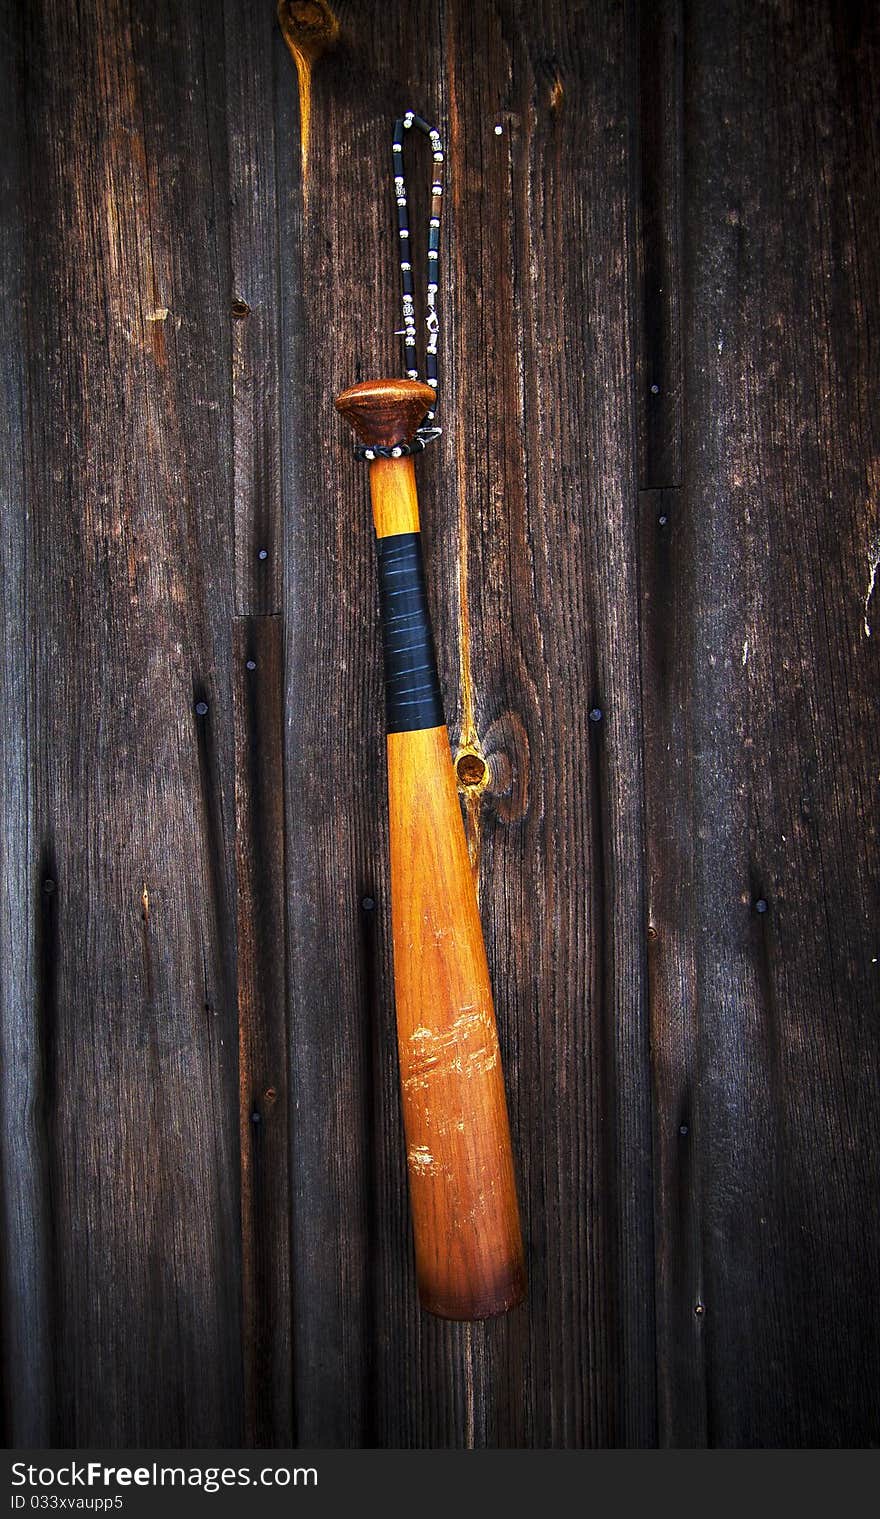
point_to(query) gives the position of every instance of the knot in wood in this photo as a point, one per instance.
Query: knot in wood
(471, 770)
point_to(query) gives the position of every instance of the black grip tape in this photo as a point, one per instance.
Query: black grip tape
(412, 690)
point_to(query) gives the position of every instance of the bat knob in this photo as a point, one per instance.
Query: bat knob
(385, 413)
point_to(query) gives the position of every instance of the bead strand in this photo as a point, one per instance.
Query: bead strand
(428, 430)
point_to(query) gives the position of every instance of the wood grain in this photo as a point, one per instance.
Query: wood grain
(675, 833)
(658, 208)
(777, 520)
(128, 596)
(263, 1039)
(257, 265)
(25, 1299)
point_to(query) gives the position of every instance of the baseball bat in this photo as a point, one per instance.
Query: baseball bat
(466, 1228)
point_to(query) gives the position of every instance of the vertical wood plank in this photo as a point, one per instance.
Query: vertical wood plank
(354, 1283)
(263, 1043)
(659, 189)
(779, 516)
(672, 975)
(666, 735)
(24, 1251)
(256, 271)
(130, 599)
(546, 475)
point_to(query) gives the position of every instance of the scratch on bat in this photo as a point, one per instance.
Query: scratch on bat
(745, 653)
(453, 1051)
(421, 1161)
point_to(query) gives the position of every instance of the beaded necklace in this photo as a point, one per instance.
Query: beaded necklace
(428, 431)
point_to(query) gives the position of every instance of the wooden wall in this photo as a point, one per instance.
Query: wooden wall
(652, 530)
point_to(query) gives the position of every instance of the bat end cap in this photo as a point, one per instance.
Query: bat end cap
(385, 413)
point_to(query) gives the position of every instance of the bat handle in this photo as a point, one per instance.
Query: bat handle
(466, 1228)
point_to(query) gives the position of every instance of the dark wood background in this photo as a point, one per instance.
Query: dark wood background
(657, 500)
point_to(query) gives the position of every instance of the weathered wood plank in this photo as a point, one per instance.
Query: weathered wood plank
(24, 1299)
(370, 1369)
(130, 599)
(660, 108)
(332, 799)
(778, 679)
(666, 622)
(666, 736)
(257, 269)
(263, 1041)
(544, 472)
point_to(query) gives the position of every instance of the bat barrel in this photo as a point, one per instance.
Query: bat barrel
(468, 1244)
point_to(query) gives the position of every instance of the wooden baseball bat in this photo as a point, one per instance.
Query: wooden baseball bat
(468, 1245)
